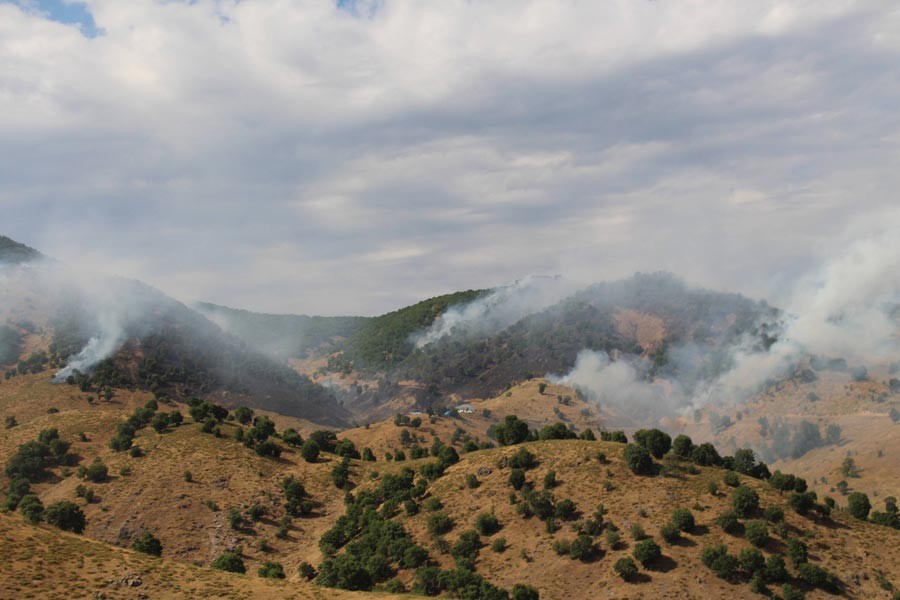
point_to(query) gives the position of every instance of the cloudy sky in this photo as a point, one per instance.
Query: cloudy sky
(351, 157)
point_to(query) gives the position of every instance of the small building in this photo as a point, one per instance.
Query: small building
(465, 409)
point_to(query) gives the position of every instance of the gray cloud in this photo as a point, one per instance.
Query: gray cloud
(303, 158)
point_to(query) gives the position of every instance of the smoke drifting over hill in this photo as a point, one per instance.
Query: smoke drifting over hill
(499, 309)
(847, 309)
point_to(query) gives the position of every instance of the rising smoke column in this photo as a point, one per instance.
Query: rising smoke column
(501, 308)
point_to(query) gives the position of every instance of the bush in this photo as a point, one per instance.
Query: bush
(729, 522)
(229, 561)
(268, 448)
(66, 516)
(565, 510)
(655, 441)
(439, 523)
(517, 479)
(340, 474)
(775, 570)
(583, 548)
(466, 547)
(522, 459)
(790, 593)
(802, 503)
(719, 561)
(31, 508)
(638, 459)
(487, 524)
(626, 569)
(256, 512)
(756, 533)
(292, 438)
(670, 533)
(859, 506)
(432, 470)
(731, 479)
(310, 451)
(148, 544)
(550, 480)
(683, 519)
(745, 501)
(797, 551)
(646, 551)
(499, 545)
(524, 592)
(774, 514)
(307, 571)
(683, 446)
(511, 431)
(818, 577)
(752, 561)
(271, 570)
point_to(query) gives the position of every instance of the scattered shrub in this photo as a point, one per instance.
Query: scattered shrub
(148, 544)
(626, 569)
(646, 552)
(229, 561)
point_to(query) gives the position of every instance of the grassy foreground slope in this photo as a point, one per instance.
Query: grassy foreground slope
(42, 562)
(861, 555)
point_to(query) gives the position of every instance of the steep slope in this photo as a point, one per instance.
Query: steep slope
(13, 252)
(811, 425)
(122, 333)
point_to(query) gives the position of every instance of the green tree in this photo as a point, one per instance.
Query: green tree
(745, 501)
(683, 446)
(229, 561)
(487, 524)
(683, 519)
(271, 570)
(243, 414)
(66, 516)
(524, 592)
(859, 506)
(310, 451)
(626, 569)
(646, 552)
(656, 441)
(31, 508)
(756, 533)
(148, 544)
(637, 457)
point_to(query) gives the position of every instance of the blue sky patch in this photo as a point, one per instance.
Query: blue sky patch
(360, 8)
(70, 13)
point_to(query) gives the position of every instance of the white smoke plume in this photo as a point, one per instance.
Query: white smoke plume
(109, 339)
(847, 309)
(499, 309)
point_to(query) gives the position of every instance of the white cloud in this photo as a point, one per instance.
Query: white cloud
(452, 144)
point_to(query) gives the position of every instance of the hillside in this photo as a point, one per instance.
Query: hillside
(122, 333)
(192, 518)
(13, 252)
(638, 318)
(812, 427)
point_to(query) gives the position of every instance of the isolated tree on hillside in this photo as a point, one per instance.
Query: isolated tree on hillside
(637, 457)
(310, 451)
(148, 544)
(859, 506)
(66, 516)
(656, 441)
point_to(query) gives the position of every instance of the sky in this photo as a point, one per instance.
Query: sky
(352, 157)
